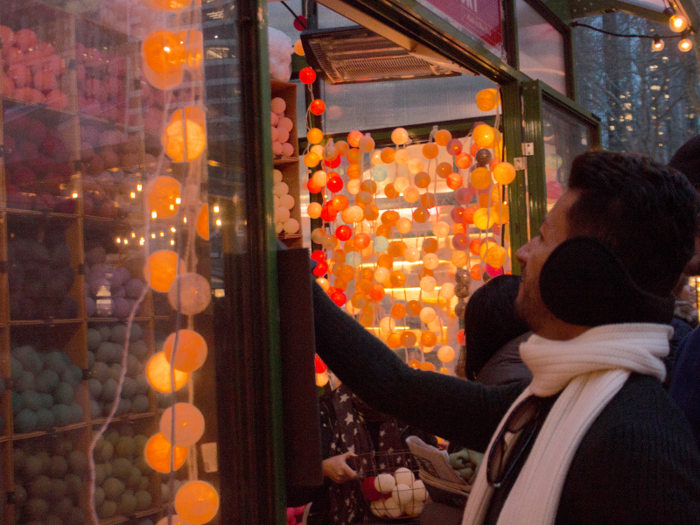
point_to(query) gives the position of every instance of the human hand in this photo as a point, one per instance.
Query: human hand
(337, 469)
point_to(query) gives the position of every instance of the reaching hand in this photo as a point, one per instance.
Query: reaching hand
(337, 469)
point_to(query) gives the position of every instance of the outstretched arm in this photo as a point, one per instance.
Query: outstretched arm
(449, 407)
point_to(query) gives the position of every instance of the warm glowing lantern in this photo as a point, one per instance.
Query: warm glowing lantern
(447, 291)
(454, 147)
(194, 42)
(157, 454)
(442, 137)
(191, 350)
(427, 285)
(185, 134)
(366, 144)
(422, 180)
(430, 150)
(299, 48)
(487, 99)
(189, 424)
(430, 261)
(454, 181)
(203, 222)
(322, 379)
(399, 136)
(317, 107)
(414, 166)
(307, 75)
(483, 135)
(197, 502)
(162, 197)
(411, 195)
(190, 293)
(427, 315)
(463, 160)
(404, 225)
(167, 5)
(314, 135)
(421, 215)
(161, 269)
(504, 173)
(401, 183)
(352, 214)
(428, 338)
(402, 157)
(460, 258)
(158, 374)
(408, 339)
(164, 52)
(481, 178)
(446, 354)
(388, 155)
(484, 218)
(496, 256)
(314, 210)
(312, 159)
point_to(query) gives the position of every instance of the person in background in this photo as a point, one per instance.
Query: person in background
(685, 319)
(593, 438)
(493, 332)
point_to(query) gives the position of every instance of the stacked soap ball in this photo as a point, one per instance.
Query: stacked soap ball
(281, 129)
(395, 495)
(44, 386)
(111, 292)
(105, 347)
(284, 202)
(40, 277)
(32, 70)
(121, 474)
(101, 79)
(37, 162)
(49, 482)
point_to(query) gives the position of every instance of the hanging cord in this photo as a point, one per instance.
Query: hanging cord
(301, 22)
(650, 37)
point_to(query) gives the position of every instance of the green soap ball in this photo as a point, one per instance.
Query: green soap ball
(118, 334)
(32, 400)
(45, 419)
(105, 332)
(139, 404)
(55, 361)
(53, 520)
(73, 375)
(25, 382)
(46, 381)
(46, 401)
(64, 393)
(127, 504)
(20, 496)
(76, 413)
(77, 462)
(95, 409)
(127, 431)
(37, 508)
(100, 371)
(63, 448)
(121, 468)
(165, 400)
(108, 469)
(144, 500)
(45, 459)
(17, 403)
(59, 489)
(76, 517)
(74, 484)
(124, 406)
(26, 421)
(165, 492)
(126, 447)
(140, 442)
(109, 390)
(140, 462)
(19, 458)
(61, 414)
(93, 338)
(16, 369)
(90, 359)
(105, 353)
(58, 467)
(40, 487)
(99, 496)
(63, 508)
(95, 386)
(138, 349)
(32, 467)
(29, 358)
(133, 366)
(100, 474)
(107, 510)
(142, 386)
(136, 333)
(134, 479)
(128, 388)
(114, 489)
(113, 436)
(115, 371)
(144, 483)
(105, 452)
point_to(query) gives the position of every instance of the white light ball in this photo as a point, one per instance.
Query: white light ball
(286, 201)
(276, 176)
(427, 284)
(281, 188)
(447, 291)
(393, 507)
(320, 178)
(193, 292)
(446, 354)
(353, 186)
(441, 229)
(352, 310)
(404, 225)
(387, 325)
(352, 214)
(291, 226)
(427, 315)
(399, 136)
(384, 483)
(411, 195)
(412, 254)
(317, 149)
(404, 475)
(401, 183)
(402, 157)
(415, 166)
(430, 261)
(402, 493)
(376, 158)
(323, 283)
(381, 274)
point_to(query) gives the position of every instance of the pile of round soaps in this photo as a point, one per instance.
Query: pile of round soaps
(44, 386)
(49, 483)
(101, 83)
(40, 277)
(284, 203)
(121, 474)
(395, 496)
(111, 292)
(105, 346)
(281, 129)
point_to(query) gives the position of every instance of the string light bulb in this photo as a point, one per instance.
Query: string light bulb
(676, 21)
(657, 44)
(685, 44)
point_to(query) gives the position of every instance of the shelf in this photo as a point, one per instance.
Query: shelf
(283, 161)
(139, 319)
(116, 520)
(15, 108)
(40, 322)
(122, 419)
(20, 212)
(57, 430)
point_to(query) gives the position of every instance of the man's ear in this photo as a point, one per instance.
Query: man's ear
(584, 283)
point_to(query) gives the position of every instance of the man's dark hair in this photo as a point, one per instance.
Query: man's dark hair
(490, 321)
(645, 212)
(687, 161)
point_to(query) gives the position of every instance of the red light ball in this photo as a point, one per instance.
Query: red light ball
(307, 75)
(317, 107)
(300, 23)
(318, 256)
(321, 269)
(335, 183)
(343, 232)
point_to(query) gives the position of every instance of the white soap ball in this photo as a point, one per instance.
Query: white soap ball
(281, 214)
(277, 148)
(279, 227)
(291, 226)
(419, 492)
(393, 507)
(278, 105)
(287, 149)
(404, 475)
(277, 176)
(384, 483)
(281, 188)
(287, 201)
(403, 493)
(378, 509)
(413, 508)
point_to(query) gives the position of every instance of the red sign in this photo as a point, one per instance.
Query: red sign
(482, 18)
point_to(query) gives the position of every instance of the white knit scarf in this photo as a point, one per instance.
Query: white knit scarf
(588, 371)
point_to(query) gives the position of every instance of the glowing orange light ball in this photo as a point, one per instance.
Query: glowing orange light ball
(487, 99)
(428, 367)
(162, 195)
(390, 191)
(164, 52)
(397, 278)
(483, 219)
(421, 215)
(413, 308)
(354, 171)
(203, 222)
(388, 155)
(480, 178)
(197, 502)
(504, 173)
(354, 138)
(354, 156)
(422, 180)
(340, 203)
(312, 159)
(194, 43)
(430, 150)
(189, 424)
(371, 212)
(428, 338)
(314, 135)
(474, 246)
(463, 160)
(475, 273)
(167, 5)
(408, 339)
(299, 48)
(385, 261)
(444, 169)
(161, 269)
(390, 217)
(366, 144)
(158, 374)
(415, 364)
(185, 130)
(361, 241)
(307, 75)
(496, 256)
(397, 248)
(430, 245)
(394, 340)
(483, 135)
(428, 200)
(191, 350)
(454, 181)
(442, 137)
(317, 107)
(157, 454)
(398, 311)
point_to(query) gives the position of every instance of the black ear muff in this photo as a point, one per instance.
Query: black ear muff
(584, 283)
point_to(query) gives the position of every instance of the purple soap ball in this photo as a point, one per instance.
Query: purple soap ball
(134, 288)
(96, 256)
(132, 302)
(121, 308)
(119, 277)
(119, 292)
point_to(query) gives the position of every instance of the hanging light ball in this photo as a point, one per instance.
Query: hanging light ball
(366, 144)
(335, 183)
(447, 291)
(496, 256)
(677, 22)
(404, 225)
(185, 130)
(441, 229)
(167, 5)
(504, 173)
(446, 354)
(307, 75)
(685, 44)
(162, 196)
(411, 254)
(387, 155)
(480, 178)
(459, 258)
(430, 261)
(411, 195)
(430, 150)
(402, 157)
(380, 244)
(161, 269)
(421, 215)
(454, 147)
(483, 135)
(427, 315)
(164, 52)
(454, 181)
(414, 166)
(191, 350)
(197, 502)
(399, 136)
(401, 183)
(203, 222)
(379, 173)
(158, 374)
(428, 284)
(422, 180)
(194, 42)
(463, 160)
(487, 99)
(354, 138)
(157, 454)
(189, 424)
(483, 157)
(314, 135)
(299, 48)
(483, 219)
(190, 293)
(442, 137)
(317, 107)
(314, 210)
(352, 214)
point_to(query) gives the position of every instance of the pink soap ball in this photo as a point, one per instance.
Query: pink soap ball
(55, 64)
(57, 99)
(22, 177)
(116, 67)
(286, 123)
(45, 81)
(287, 150)
(21, 75)
(110, 158)
(26, 39)
(275, 134)
(95, 165)
(274, 119)
(45, 49)
(277, 148)
(278, 105)
(7, 37)
(81, 74)
(34, 60)
(8, 86)
(54, 147)
(283, 135)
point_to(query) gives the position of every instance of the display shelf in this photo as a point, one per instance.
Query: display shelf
(16, 436)
(284, 161)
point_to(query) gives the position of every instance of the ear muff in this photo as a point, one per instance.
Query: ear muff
(584, 283)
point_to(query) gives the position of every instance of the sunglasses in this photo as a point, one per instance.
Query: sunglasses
(524, 421)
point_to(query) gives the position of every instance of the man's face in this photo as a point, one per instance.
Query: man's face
(553, 232)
